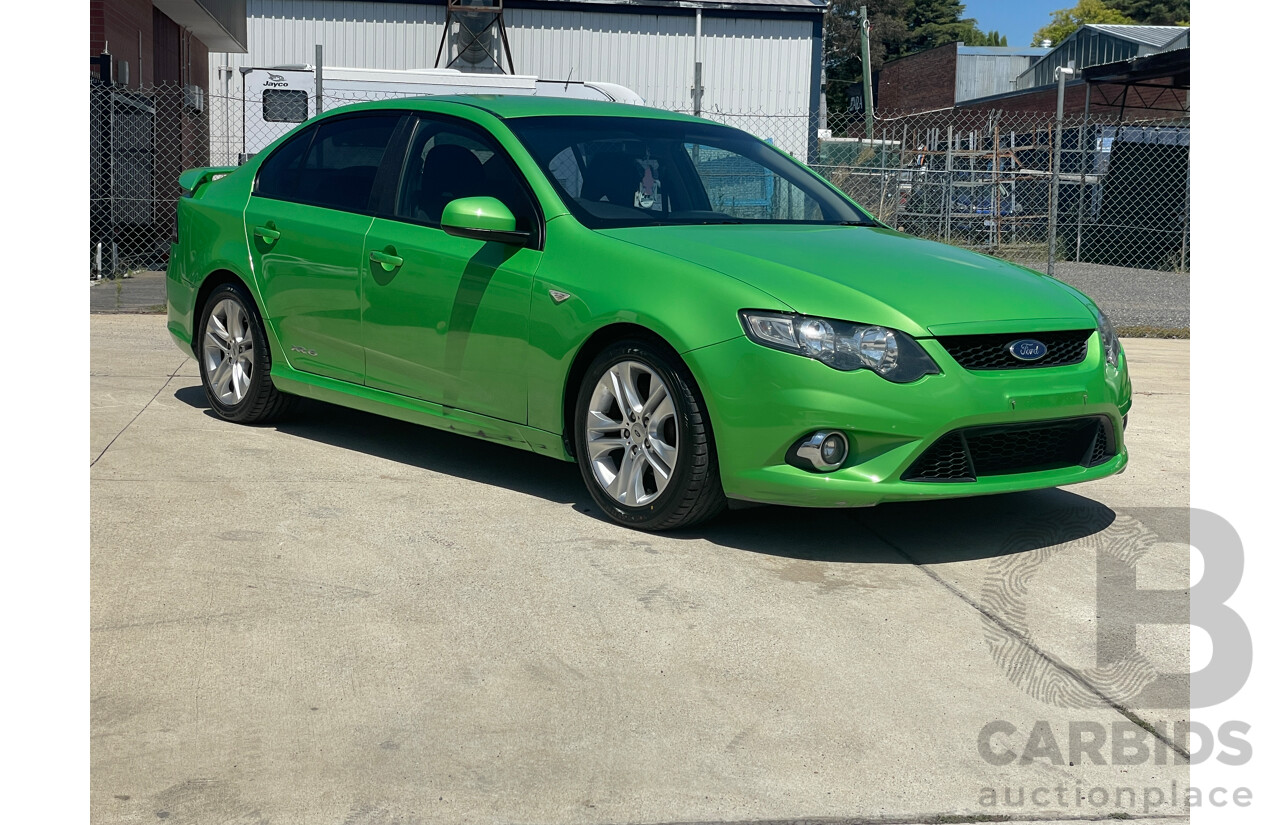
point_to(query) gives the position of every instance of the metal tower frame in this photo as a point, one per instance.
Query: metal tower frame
(471, 7)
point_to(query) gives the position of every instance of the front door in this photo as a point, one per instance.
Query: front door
(306, 223)
(449, 322)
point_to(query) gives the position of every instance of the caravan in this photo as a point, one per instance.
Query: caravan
(277, 99)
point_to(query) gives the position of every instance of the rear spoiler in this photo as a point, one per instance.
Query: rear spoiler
(192, 179)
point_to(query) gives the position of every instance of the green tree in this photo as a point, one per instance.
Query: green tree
(898, 28)
(842, 56)
(977, 37)
(932, 23)
(991, 38)
(1066, 21)
(1154, 12)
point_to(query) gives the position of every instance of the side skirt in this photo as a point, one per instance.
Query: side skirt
(416, 411)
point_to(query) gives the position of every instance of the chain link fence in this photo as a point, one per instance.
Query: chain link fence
(978, 179)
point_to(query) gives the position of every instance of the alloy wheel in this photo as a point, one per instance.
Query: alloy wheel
(632, 435)
(228, 351)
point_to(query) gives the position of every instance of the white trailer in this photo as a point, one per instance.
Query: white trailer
(277, 99)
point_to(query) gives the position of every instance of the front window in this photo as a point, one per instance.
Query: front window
(630, 171)
(449, 160)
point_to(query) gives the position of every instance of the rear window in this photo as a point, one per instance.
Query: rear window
(284, 105)
(332, 164)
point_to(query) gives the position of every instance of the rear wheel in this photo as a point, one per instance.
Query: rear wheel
(643, 440)
(235, 360)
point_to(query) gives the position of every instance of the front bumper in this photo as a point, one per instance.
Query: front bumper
(762, 401)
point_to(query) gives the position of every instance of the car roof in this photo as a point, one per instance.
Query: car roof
(519, 106)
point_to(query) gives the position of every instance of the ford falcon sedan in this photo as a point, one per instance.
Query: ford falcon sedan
(684, 310)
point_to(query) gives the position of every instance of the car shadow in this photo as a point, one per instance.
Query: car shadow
(918, 532)
(924, 532)
(424, 447)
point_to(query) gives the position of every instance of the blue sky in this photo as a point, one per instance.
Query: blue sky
(1015, 19)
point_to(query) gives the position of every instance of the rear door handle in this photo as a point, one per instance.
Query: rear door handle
(388, 261)
(267, 233)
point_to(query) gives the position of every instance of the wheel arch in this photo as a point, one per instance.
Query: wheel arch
(596, 343)
(212, 281)
(219, 277)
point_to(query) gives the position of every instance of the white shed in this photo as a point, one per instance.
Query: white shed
(761, 59)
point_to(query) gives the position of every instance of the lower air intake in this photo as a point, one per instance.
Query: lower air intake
(978, 452)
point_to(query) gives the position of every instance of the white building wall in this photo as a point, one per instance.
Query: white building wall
(754, 69)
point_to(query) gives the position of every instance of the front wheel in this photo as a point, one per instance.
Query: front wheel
(643, 440)
(235, 360)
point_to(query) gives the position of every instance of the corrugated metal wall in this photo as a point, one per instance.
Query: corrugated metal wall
(751, 66)
(982, 75)
(1084, 48)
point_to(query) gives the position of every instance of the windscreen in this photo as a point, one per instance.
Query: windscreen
(631, 171)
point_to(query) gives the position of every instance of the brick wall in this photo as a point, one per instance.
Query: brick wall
(919, 83)
(156, 49)
(125, 28)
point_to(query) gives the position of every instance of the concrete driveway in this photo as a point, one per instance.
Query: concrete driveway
(346, 619)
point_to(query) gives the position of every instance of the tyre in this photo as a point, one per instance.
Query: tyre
(643, 439)
(235, 359)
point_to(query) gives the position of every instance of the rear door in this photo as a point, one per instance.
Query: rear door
(450, 322)
(306, 221)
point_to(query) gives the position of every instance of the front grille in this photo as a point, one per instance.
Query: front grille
(976, 452)
(991, 352)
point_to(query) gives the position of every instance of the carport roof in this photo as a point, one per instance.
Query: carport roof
(1174, 65)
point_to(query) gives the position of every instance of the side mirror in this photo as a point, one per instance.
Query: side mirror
(484, 219)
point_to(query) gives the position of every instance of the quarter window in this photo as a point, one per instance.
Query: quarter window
(278, 175)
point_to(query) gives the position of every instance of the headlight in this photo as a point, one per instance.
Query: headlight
(1110, 341)
(841, 345)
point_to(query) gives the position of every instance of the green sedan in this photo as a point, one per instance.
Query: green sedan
(688, 313)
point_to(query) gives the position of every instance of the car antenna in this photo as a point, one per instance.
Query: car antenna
(566, 80)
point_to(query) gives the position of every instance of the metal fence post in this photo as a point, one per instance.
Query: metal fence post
(868, 105)
(1085, 162)
(1186, 217)
(946, 190)
(994, 236)
(1062, 73)
(319, 78)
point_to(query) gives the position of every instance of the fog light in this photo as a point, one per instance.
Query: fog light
(823, 450)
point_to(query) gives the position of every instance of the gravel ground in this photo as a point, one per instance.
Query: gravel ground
(142, 293)
(1132, 297)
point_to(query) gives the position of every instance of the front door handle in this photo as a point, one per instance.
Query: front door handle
(267, 233)
(388, 261)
